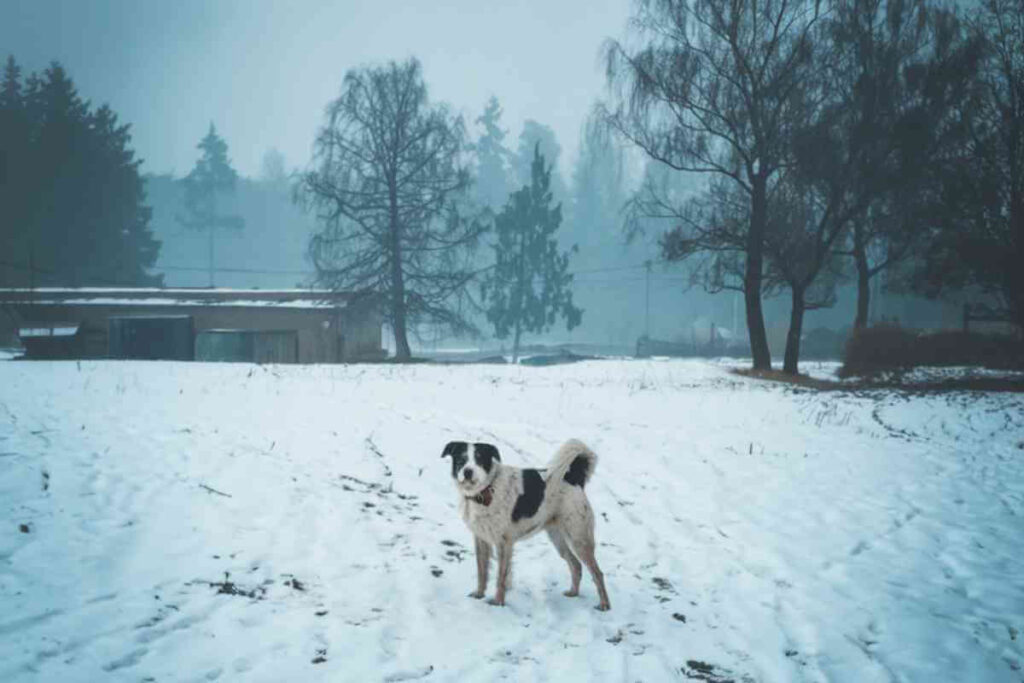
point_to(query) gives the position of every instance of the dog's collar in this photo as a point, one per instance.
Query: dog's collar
(484, 497)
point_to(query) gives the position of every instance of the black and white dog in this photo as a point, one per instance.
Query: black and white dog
(502, 504)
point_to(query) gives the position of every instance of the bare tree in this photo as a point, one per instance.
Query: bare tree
(803, 229)
(980, 239)
(387, 179)
(877, 113)
(712, 92)
(899, 73)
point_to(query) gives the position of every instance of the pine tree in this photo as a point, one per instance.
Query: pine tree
(598, 196)
(211, 177)
(492, 158)
(13, 143)
(71, 201)
(536, 134)
(10, 89)
(529, 287)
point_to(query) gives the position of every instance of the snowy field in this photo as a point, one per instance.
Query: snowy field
(191, 522)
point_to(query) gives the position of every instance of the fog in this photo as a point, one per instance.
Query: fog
(263, 71)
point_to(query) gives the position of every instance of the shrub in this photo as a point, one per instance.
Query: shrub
(890, 347)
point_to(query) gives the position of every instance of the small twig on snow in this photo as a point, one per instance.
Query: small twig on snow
(213, 490)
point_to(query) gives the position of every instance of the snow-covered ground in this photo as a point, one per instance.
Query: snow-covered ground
(189, 522)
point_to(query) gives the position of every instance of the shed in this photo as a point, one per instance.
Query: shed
(321, 326)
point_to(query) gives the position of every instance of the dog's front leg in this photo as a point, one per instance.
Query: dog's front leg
(504, 563)
(483, 560)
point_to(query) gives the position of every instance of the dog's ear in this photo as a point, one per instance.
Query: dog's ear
(488, 451)
(452, 448)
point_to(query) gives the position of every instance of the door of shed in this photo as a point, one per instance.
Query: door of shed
(248, 346)
(150, 337)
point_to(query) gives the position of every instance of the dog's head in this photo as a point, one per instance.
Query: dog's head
(474, 465)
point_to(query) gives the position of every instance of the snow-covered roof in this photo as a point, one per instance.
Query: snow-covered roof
(152, 296)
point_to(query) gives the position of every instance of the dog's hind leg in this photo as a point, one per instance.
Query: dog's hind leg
(586, 552)
(504, 564)
(575, 569)
(581, 537)
(483, 560)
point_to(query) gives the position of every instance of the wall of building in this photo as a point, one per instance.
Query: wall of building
(326, 335)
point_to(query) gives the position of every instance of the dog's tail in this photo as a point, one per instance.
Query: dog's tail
(574, 463)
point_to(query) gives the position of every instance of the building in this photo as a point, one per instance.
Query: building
(287, 326)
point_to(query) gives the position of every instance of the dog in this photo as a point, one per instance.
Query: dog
(502, 504)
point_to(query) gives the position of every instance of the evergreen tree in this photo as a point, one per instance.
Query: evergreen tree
(594, 222)
(14, 132)
(273, 171)
(10, 89)
(536, 134)
(529, 287)
(71, 196)
(598, 197)
(492, 158)
(211, 177)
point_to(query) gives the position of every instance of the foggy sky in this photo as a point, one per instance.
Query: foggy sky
(263, 70)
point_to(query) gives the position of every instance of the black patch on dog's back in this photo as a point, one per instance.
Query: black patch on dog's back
(577, 474)
(458, 451)
(533, 495)
(485, 454)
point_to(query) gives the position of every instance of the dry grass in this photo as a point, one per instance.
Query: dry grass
(893, 382)
(785, 378)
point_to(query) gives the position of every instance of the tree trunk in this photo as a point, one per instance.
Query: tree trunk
(402, 351)
(860, 256)
(515, 344)
(398, 312)
(752, 278)
(209, 230)
(520, 296)
(791, 361)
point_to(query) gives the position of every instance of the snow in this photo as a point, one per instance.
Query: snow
(106, 296)
(187, 522)
(58, 331)
(169, 301)
(155, 290)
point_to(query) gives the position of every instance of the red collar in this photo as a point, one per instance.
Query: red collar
(484, 497)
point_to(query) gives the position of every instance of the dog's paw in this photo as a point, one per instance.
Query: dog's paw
(496, 602)
(603, 607)
(476, 595)
(571, 593)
